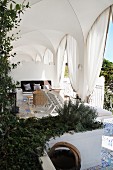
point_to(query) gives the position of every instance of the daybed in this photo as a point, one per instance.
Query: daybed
(102, 114)
(32, 85)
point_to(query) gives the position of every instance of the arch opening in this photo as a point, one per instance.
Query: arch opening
(65, 156)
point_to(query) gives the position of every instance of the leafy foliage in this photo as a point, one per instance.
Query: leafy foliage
(107, 72)
(9, 19)
(18, 143)
(22, 141)
(79, 117)
(108, 99)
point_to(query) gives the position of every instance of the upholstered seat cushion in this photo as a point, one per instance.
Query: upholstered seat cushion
(103, 118)
(101, 112)
(32, 85)
(46, 86)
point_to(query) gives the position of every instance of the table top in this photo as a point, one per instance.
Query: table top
(29, 97)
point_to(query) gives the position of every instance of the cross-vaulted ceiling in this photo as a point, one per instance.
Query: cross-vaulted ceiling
(48, 21)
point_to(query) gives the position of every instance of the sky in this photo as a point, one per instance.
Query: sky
(109, 45)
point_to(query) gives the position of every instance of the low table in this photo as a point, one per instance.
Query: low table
(39, 98)
(30, 100)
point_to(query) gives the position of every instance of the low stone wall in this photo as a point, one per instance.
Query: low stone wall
(88, 143)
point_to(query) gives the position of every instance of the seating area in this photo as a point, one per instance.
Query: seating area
(40, 103)
(43, 102)
(28, 86)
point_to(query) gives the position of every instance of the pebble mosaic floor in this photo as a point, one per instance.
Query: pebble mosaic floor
(106, 154)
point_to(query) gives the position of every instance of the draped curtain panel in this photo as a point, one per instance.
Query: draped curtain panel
(60, 59)
(111, 14)
(48, 57)
(94, 52)
(63, 69)
(72, 59)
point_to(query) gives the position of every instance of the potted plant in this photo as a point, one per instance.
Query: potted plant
(82, 131)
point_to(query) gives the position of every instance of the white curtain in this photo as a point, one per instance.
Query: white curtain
(112, 13)
(48, 57)
(94, 52)
(60, 59)
(72, 58)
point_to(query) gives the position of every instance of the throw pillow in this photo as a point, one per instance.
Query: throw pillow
(27, 87)
(46, 86)
(37, 86)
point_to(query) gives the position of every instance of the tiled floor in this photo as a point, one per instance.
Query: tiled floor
(106, 154)
(26, 110)
(107, 150)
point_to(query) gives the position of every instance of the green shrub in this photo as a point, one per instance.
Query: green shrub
(22, 141)
(79, 117)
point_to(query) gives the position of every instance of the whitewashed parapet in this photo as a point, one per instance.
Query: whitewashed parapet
(88, 143)
(46, 163)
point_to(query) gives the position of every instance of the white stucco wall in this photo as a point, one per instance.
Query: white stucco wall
(34, 71)
(88, 143)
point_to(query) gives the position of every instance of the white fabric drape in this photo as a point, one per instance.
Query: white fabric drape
(60, 59)
(72, 58)
(112, 13)
(48, 57)
(94, 52)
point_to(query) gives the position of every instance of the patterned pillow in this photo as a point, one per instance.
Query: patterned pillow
(37, 86)
(27, 87)
(46, 86)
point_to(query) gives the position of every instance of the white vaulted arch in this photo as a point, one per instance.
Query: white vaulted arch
(47, 21)
(60, 58)
(95, 47)
(48, 57)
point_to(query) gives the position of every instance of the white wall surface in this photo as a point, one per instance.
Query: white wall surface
(34, 71)
(88, 143)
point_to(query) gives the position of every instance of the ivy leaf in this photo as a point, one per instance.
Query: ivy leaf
(27, 6)
(11, 6)
(18, 7)
(5, 2)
